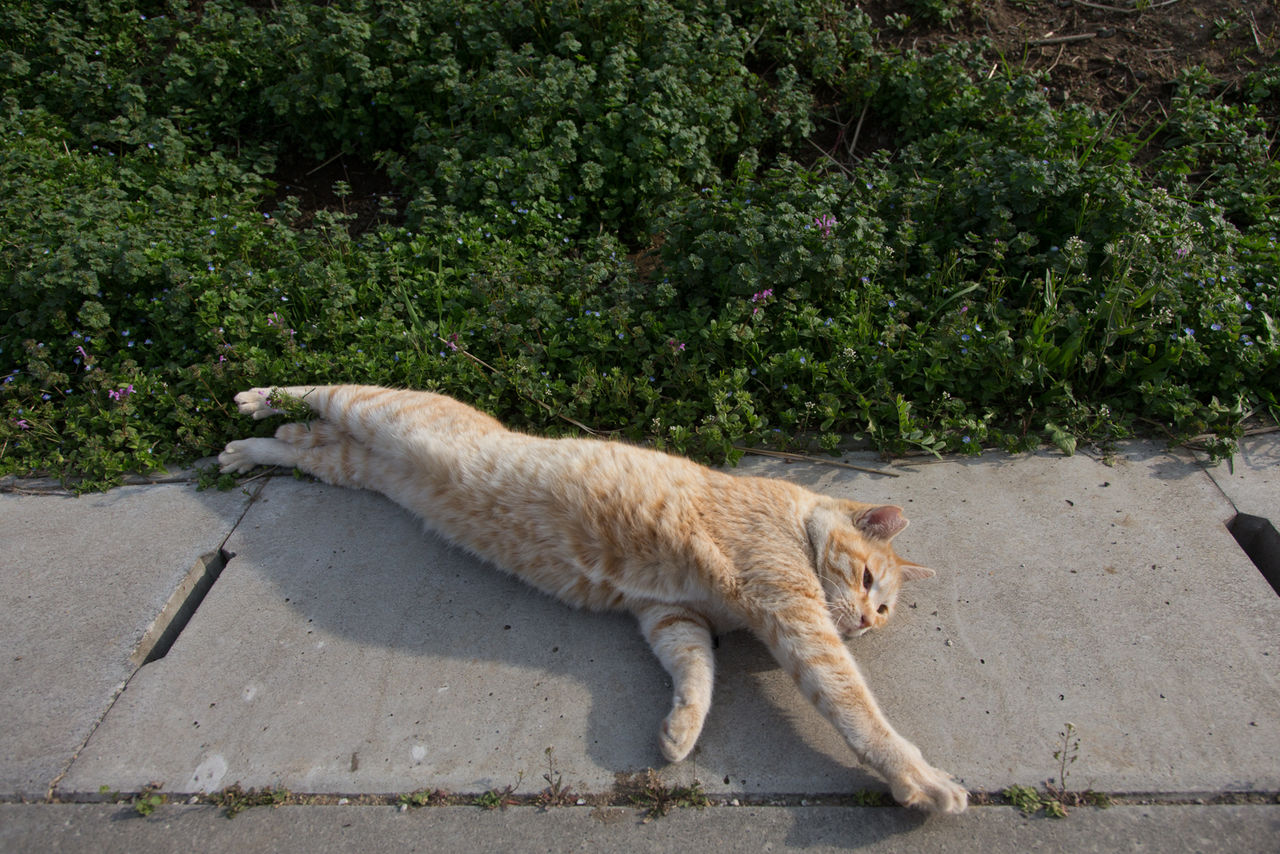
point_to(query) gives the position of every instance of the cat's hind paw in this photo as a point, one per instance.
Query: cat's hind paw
(930, 789)
(242, 455)
(256, 402)
(236, 458)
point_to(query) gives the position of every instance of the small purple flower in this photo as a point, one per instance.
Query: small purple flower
(678, 346)
(762, 295)
(825, 222)
(452, 343)
(22, 423)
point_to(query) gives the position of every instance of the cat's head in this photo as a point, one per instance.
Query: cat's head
(859, 570)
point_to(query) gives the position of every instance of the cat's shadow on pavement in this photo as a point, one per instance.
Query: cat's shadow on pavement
(465, 640)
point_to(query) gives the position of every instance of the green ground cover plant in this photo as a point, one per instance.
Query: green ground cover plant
(630, 218)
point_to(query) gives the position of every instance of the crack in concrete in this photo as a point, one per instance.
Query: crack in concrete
(159, 633)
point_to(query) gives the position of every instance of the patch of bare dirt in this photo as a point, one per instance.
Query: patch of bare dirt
(1113, 55)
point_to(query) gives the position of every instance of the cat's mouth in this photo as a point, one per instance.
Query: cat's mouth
(851, 626)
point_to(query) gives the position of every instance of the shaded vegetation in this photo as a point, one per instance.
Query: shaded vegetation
(696, 224)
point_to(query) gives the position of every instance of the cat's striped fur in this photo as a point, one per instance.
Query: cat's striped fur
(605, 525)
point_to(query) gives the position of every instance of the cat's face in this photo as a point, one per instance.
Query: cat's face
(861, 573)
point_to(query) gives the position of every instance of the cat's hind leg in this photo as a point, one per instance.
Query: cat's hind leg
(316, 447)
(681, 639)
(257, 401)
(292, 446)
(243, 454)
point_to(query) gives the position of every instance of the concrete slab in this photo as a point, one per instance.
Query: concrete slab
(102, 829)
(343, 650)
(81, 580)
(1251, 479)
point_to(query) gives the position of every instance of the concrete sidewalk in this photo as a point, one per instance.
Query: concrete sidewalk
(344, 652)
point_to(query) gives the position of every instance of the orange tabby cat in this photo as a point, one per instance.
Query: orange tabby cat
(604, 525)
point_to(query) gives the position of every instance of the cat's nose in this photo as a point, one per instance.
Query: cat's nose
(865, 622)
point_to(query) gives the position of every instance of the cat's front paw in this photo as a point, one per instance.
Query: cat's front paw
(680, 731)
(930, 789)
(256, 402)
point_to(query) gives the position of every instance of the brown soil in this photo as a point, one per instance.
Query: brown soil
(1108, 54)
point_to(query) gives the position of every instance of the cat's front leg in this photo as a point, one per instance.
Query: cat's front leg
(681, 639)
(798, 629)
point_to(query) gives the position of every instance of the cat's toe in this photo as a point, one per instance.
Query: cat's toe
(930, 789)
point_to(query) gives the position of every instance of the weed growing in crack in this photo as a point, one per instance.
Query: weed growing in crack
(234, 799)
(499, 798)
(149, 800)
(657, 798)
(1066, 754)
(556, 794)
(872, 798)
(1057, 797)
(425, 798)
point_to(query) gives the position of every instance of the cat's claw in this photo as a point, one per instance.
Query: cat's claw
(256, 402)
(930, 789)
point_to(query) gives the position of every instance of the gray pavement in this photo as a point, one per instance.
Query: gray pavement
(345, 652)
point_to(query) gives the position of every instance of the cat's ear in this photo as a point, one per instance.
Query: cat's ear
(915, 572)
(882, 523)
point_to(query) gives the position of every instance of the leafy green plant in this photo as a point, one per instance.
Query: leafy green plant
(498, 798)
(626, 219)
(1057, 797)
(149, 800)
(235, 799)
(657, 799)
(424, 798)
(872, 798)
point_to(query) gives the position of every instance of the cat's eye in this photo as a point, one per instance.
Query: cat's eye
(883, 609)
(866, 579)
